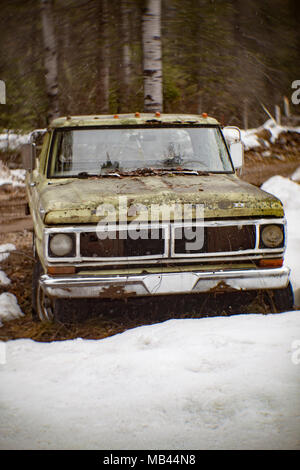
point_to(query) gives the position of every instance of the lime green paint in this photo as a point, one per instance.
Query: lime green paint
(73, 201)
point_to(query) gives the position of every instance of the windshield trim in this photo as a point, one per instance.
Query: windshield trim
(154, 124)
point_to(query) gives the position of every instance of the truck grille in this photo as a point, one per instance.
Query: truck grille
(217, 239)
(122, 244)
(168, 242)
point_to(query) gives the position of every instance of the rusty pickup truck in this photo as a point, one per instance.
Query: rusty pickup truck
(143, 205)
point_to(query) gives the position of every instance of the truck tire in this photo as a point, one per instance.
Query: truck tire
(42, 309)
(284, 299)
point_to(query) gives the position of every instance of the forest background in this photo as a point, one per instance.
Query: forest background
(234, 59)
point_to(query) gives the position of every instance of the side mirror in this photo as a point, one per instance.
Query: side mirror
(234, 141)
(237, 155)
(28, 156)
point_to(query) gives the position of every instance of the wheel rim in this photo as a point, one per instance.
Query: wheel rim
(44, 306)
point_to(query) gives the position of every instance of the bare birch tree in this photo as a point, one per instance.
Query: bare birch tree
(50, 58)
(152, 56)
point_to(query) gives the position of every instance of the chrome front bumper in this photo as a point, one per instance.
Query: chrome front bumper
(89, 286)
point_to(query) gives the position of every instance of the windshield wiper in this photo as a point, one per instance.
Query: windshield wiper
(173, 160)
(186, 171)
(83, 174)
(109, 164)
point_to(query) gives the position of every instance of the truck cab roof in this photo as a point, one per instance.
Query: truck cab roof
(132, 119)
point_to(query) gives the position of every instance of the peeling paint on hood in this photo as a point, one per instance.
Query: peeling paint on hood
(76, 201)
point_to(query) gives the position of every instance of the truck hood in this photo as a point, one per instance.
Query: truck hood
(77, 201)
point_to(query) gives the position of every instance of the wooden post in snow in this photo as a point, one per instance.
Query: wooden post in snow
(277, 114)
(286, 107)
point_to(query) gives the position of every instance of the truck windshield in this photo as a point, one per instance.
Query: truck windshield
(96, 151)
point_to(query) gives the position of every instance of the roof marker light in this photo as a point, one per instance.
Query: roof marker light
(137, 114)
(157, 114)
(204, 115)
(116, 116)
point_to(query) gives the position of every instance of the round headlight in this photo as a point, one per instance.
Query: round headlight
(61, 244)
(272, 236)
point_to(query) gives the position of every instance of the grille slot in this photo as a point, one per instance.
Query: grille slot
(122, 244)
(218, 240)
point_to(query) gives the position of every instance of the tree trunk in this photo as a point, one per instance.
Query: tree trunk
(152, 56)
(126, 61)
(102, 88)
(50, 58)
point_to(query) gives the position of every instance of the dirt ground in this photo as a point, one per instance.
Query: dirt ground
(16, 228)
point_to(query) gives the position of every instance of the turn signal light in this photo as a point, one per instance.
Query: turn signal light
(270, 263)
(61, 269)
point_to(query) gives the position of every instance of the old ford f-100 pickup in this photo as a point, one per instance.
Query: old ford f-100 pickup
(143, 205)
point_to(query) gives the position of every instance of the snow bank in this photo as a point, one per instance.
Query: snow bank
(13, 140)
(215, 383)
(276, 129)
(13, 177)
(4, 280)
(5, 250)
(9, 308)
(289, 193)
(251, 140)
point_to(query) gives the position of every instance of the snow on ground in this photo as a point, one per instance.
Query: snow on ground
(5, 249)
(4, 280)
(9, 308)
(289, 193)
(210, 383)
(13, 177)
(13, 140)
(251, 140)
(4, 253)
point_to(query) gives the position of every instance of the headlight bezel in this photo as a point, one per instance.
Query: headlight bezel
(269, 244)
(69, 253)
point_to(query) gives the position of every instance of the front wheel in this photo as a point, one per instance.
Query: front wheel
(42, 307)
(284, 299)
